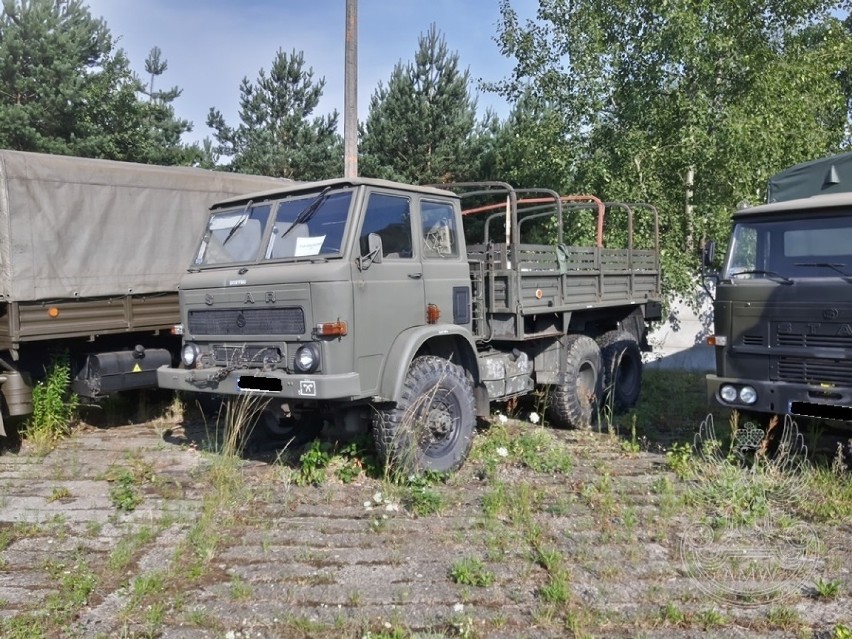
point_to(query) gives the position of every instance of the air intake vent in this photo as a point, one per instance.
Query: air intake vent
(753, 340)
(247, 321)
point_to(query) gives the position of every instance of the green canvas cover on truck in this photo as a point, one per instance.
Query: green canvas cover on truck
(75, 228)
(832, 174)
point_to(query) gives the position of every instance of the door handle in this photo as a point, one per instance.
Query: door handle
(415, 276)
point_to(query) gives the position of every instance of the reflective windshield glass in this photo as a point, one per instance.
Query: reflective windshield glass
(309, 225)
(233, 236)
(806, 247)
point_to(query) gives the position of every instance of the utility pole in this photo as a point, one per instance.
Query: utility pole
(350, 92)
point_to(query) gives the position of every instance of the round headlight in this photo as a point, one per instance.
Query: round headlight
(748, 395)
(307, 358)
(728, 393)
(189, 354)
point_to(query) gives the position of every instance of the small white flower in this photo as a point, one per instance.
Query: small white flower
(502, 418)
(535, 418)
(502, 452)
(377, 498)
(392, 508)
(459, 607)
(368, 504)
(230, 635)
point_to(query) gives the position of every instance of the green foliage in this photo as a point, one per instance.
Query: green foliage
(679, 459)
(420, 496)
(827, 589)
(636, 96)
(470, 571)
(312, 465)
(123, 493)
(421, 127)
(65, 89)
(276, 135)
(54, 406)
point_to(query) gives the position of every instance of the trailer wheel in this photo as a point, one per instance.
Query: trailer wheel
(573, 403)
(431, 426)
(622, 369)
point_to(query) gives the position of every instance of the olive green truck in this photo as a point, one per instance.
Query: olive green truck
(360, 301)
(91, 252)
(783, 302)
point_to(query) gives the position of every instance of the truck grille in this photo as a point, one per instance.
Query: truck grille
(814, 341)
(814, 371)
(247, 321)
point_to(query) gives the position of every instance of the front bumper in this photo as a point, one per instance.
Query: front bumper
(782, 398)
(345, 387)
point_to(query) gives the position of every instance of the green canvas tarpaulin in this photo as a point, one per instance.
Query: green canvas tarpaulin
(831, 174)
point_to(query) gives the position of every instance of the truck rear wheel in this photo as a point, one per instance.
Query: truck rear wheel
(622, 369)
(573, 403)
(431, 427)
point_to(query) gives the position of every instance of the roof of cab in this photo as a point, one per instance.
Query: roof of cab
(829, 201)
(308, 187)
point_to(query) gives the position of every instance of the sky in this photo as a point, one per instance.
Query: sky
(210, 45)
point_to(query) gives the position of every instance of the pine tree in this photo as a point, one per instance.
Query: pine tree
(276, 135)
(65, 89)
(421, 127)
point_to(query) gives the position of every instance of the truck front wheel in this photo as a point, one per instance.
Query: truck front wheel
(622, 368)
(431, 426)
(574, 401)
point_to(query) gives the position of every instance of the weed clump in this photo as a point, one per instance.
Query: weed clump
(54, 406)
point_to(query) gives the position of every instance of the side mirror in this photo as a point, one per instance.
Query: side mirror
(709, 253)
(374, 252)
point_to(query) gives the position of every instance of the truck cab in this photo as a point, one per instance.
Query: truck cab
(294, 293)
(783, 310)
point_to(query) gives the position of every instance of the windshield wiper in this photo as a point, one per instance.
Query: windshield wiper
(834, 266)
(309, 211)
(784, 279)
(236, 227)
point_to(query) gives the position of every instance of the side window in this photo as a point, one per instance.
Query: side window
(390, 217)
(439, 230)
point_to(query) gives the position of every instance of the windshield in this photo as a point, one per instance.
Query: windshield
(233, 236)
(812, 247)
(301, 226)
(309, 225)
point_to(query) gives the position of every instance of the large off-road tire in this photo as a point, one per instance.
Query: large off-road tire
(431, 426)
(574, 403)
(622, 370)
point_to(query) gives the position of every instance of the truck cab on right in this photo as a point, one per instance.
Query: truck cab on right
(783, 306)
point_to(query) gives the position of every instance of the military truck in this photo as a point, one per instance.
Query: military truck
(91, 252)
(360, 301)
(783, 302)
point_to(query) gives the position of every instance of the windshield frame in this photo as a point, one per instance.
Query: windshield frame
(311, 205)
(790, 247)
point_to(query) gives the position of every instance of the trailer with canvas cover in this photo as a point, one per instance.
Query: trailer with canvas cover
(91, 253)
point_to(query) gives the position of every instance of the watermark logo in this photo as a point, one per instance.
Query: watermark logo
(749, 549)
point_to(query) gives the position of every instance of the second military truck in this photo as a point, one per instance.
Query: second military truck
(359, 300)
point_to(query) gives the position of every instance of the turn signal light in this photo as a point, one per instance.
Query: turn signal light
(717, 340)
(53, 312)
(332, 329)
(433, 313)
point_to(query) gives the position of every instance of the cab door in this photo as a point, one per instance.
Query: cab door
(446, 272)
(388, 292)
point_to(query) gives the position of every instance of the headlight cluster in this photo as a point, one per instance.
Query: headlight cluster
(742, 394)
(307, 358)
(189, 355)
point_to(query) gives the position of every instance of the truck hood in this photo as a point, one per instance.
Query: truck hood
(266, 275)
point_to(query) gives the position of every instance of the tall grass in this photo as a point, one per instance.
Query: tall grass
(54, 407)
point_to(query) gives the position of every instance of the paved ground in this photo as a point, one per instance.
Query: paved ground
(132, 531)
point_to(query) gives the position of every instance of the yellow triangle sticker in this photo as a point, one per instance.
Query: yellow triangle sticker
(137, 368)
